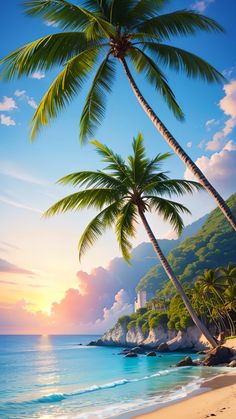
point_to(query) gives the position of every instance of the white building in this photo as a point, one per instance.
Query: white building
(141, 300)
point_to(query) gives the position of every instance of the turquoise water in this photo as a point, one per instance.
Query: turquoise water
(54, 377)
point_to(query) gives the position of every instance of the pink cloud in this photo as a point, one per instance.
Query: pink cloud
(7, 104)
(228, 106)
(220, 168)
(6, 266)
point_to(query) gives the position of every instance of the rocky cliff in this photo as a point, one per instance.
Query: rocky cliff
(121, 335)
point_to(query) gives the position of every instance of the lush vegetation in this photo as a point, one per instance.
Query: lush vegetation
(213, 297)
(214, 245)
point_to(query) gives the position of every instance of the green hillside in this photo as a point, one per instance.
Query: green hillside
(214, 245)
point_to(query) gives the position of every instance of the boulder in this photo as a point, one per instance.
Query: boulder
(131, 355)
(163, 347)
(152, 353)
(92, 343)
(232, 364)
(138, 350)
(185, 362)
(216, 356)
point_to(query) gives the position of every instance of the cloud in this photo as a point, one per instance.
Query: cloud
(8, 104)
(7, 120)
(16, 318)
(228, 105)
(120, 307)
(17, 204)
(92, 306)
(220, 168)
(227, 72)
(8, 282)
(19, 93)
(201, 5)
(11, 170)
(210, 123)
(30, 100)
(8, 267)
(38, 75)
(189, 144)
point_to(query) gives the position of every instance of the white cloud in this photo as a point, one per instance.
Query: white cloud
(189, 144)
(227, 72)
(119, 308)
(220, 168)
(210, 123)
(228, 103)
(20, 93)
(201, 5)
(31, 102)
(201, 144)
(18, 205)
(6, 120)
(9, 169)
(8, 104)
(228, 106)
(38, 75)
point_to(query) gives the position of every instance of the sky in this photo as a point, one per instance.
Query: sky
(42, 281)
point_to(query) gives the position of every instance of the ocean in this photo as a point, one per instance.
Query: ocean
(60, 377)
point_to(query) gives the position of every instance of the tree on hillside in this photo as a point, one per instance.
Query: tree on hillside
(123, 193)
(99, 34)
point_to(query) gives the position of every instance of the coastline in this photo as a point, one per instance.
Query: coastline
(216, 397)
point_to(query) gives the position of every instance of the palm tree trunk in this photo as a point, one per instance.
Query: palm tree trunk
(175, 281)
(178, 149)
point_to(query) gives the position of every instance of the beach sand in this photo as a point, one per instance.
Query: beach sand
(219, 402)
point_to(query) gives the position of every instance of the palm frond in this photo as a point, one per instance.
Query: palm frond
(181, 22)
(172, 186)
(152, 167)
(94, 108)
(65, 86)
(169, 210)
(96, 198)
(143, 10)
(143, 63)
(116, 164)
(102, 5)
(104, 220)
(119, 10)
(91, 179)
(125, 228)
(67, 15)
(181, 60)
(43, 54)
(138, 161)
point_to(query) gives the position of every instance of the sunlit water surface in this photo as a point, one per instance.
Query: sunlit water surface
(54, 377)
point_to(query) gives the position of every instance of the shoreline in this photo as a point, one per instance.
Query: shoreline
(216, 397)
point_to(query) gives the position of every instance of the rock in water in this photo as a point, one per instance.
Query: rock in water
(232, 364)
(185, 362)
(138, 350)
(163, 347)
(152, 353)
(131, 355)
(216, 356)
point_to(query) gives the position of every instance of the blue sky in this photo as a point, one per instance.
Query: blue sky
(28, 172)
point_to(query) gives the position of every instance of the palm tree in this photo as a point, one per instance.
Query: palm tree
(99, 34)
(212, 285)
(122, 194)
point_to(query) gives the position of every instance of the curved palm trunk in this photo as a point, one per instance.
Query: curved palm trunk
(178, 149)
(175, 281)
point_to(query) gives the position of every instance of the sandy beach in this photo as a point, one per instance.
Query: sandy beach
(219, 402)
